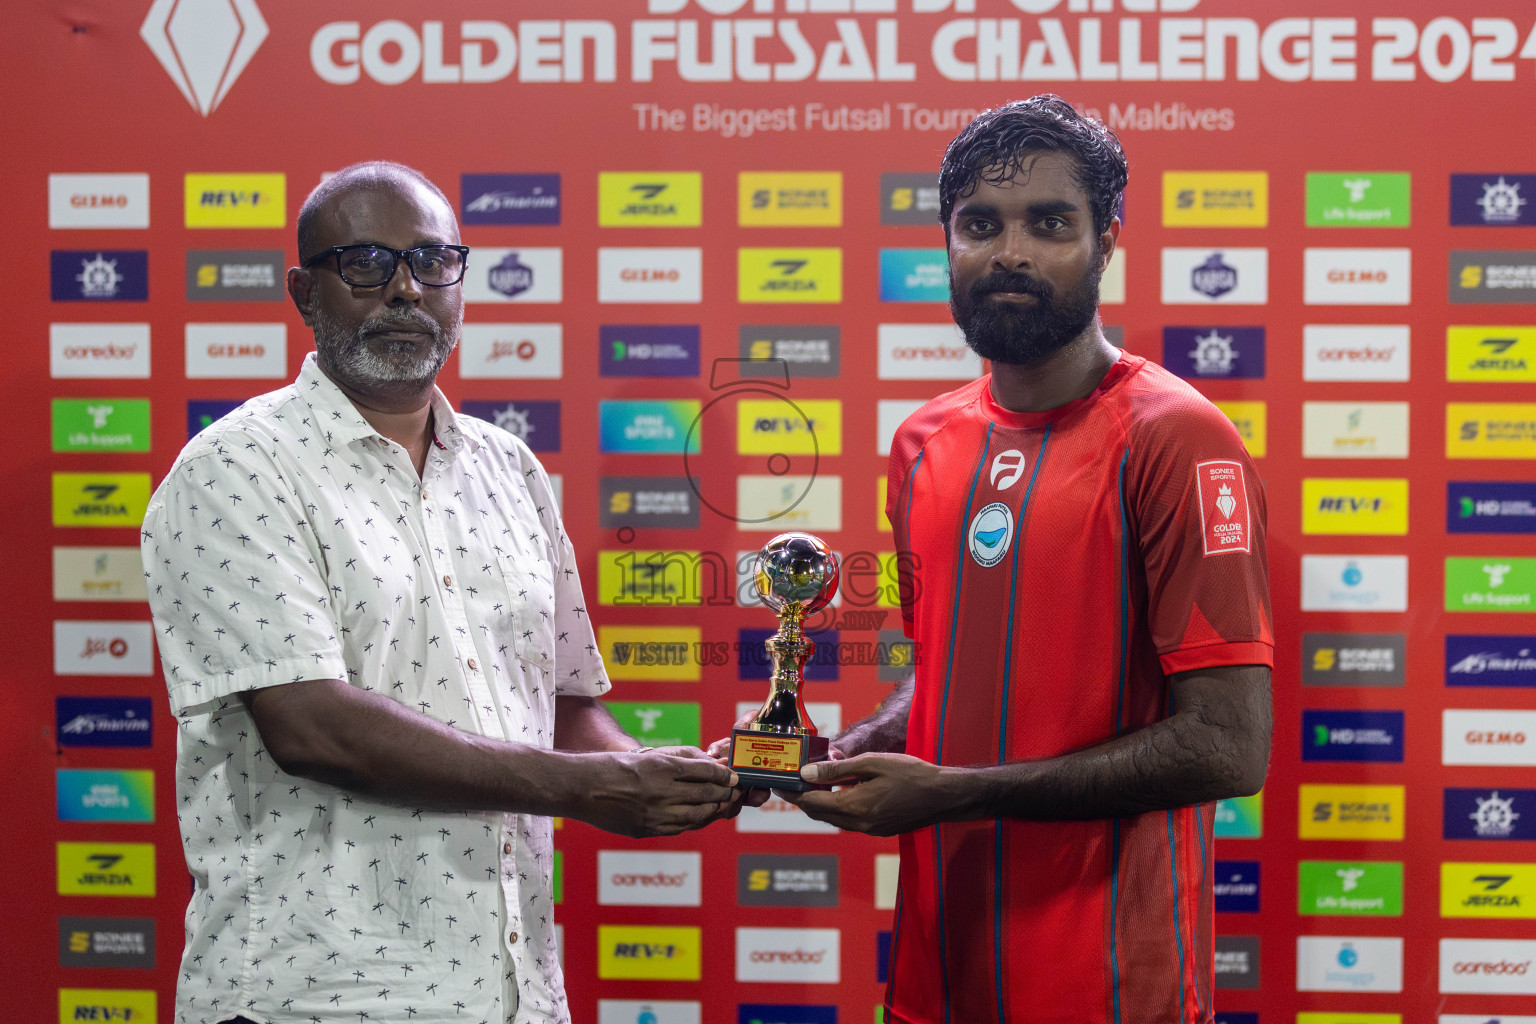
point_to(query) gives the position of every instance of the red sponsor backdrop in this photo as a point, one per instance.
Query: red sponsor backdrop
(609, 86)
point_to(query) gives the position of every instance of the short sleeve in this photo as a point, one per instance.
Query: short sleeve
(1199, 513)
(235, 582)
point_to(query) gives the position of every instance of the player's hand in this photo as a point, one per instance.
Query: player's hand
(882, 794)
(656, 793)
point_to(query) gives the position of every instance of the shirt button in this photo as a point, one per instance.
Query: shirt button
(512, 937)
(447, 581)
(506, 847)
(425, 496)
(473, 663)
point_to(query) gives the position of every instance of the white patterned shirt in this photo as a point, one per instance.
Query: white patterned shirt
(290, 541)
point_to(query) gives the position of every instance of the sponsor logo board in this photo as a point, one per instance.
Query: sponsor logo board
(236, 275)
(1237, 961)
(789, 198)
(1495, 737)
(509, 198)
(1327, 963)
(235, 200)
(1492, 200)
(1487, 506)
(631, 952)
(658, 653)
(909, 200)
(1492, 584)
(648, 350)
(1252, 422)
(1353, 659)
(789, 955)
(100, 424)
(98, 275)
(1484, 1018)
(803, 351)
(789, 275)
(105, 869)
(1338, 506)
(511, 352)
(536, 424)
(1496, 966)
(1355, 352)
(1223, 276)
(1361, 199)
(663, 502)
(789, 502)
(82, 648)
(1237, 886)
(100, 499)
(98, 350)
(1499, 276)
(1215, 199)
(641, 199)
(220, 351)
(103, 722)
(106, 942)
(1350, 812)
(779, 816)
(631, 577)
(1354, 430)
(1490, 354)
(649, 427)
(764, 880)
(99, 794)
(1495, 814)
(777, 426)
(98, 200)
(1490, 660)
(1357, 277)
(777, 1013)
(752, 659)
(1350, 888)
(1240, 817)
(1197, 353)
(887, 878)
(898, 656)
(514, 275)
(1352, 736)
(925, 352)
(115, 1004)
(648, 1011)
(1490, 430)
(1487, 890)
(658, 723)
(1364, 583)
(633, 878)
(890, 413)
(914, 275)
(202, 414)
(650, 275)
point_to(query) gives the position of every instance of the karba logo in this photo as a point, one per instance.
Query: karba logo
(117, 647)
(787, 956)
(217, 351)
(1491, 967)
(524, 350)
(660, 879)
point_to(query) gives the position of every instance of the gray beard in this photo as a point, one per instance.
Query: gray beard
(365, 366)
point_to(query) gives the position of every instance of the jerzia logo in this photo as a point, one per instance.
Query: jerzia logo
(204, 46)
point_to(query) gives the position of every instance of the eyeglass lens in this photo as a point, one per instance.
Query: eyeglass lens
(372, 266)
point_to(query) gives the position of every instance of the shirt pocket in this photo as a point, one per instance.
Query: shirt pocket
(531, 599)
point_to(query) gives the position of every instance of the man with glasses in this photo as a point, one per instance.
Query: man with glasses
(373, 635)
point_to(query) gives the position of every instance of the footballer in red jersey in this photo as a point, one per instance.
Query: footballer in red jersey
(1080, 539)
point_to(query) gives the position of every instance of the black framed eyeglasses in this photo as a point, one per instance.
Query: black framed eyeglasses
(371, 266)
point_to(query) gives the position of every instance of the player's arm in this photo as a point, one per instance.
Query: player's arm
(884, 731)
(1215, 745)
(366, 743)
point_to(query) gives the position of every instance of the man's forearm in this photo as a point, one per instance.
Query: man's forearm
(885, 731)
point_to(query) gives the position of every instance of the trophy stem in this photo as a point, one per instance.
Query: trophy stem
(784, 709)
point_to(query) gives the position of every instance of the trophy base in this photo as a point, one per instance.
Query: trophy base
(772, 760)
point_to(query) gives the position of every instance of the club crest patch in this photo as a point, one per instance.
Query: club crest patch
(1223, 496)
(991, 534)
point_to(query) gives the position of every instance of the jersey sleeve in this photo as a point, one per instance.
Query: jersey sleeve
(1198, 509)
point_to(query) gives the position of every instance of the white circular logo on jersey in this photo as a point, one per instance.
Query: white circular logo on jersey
(990, 534)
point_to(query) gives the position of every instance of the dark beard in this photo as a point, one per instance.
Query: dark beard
(1007, 333)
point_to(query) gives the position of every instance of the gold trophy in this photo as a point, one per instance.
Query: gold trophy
(795, 574)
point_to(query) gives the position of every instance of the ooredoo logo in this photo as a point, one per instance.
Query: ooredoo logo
(641, 879)
(204, 46)
(788, 955)
(98, 350)
(1487, 965)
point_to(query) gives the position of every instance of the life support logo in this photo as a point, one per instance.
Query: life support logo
(991, 534)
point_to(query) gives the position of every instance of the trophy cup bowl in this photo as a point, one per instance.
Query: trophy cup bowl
(795, 574)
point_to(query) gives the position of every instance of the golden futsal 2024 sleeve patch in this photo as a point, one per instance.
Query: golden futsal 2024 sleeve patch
(1224, 521)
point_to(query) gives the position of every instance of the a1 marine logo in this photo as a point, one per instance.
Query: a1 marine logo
(204, 46)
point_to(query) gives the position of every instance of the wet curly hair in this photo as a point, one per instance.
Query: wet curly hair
(994, 146)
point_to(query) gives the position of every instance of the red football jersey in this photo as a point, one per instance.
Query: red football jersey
(1056, 567)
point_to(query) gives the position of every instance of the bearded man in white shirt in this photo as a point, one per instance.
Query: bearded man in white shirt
(373, 635)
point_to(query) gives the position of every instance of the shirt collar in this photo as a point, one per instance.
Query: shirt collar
(343, 424)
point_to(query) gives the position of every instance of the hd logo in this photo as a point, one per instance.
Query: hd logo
(789, 275)
(236, 200)
(650, 199)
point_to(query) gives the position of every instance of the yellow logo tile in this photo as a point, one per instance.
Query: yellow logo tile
(774, 426)
(1351, 812)
(789, 275)
(650, 199)
(650, 954)
(660, 578)
(1215, 199)
(1337, 506)
(1487, 890)
(790, 198)
(106, 869)
(100, 499)
(236, 200)
(1252, 422)
(661, 653)
(1349, 1018)
(136, 1006)
(1490, 353)
(882, 521)
(1490, 430)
